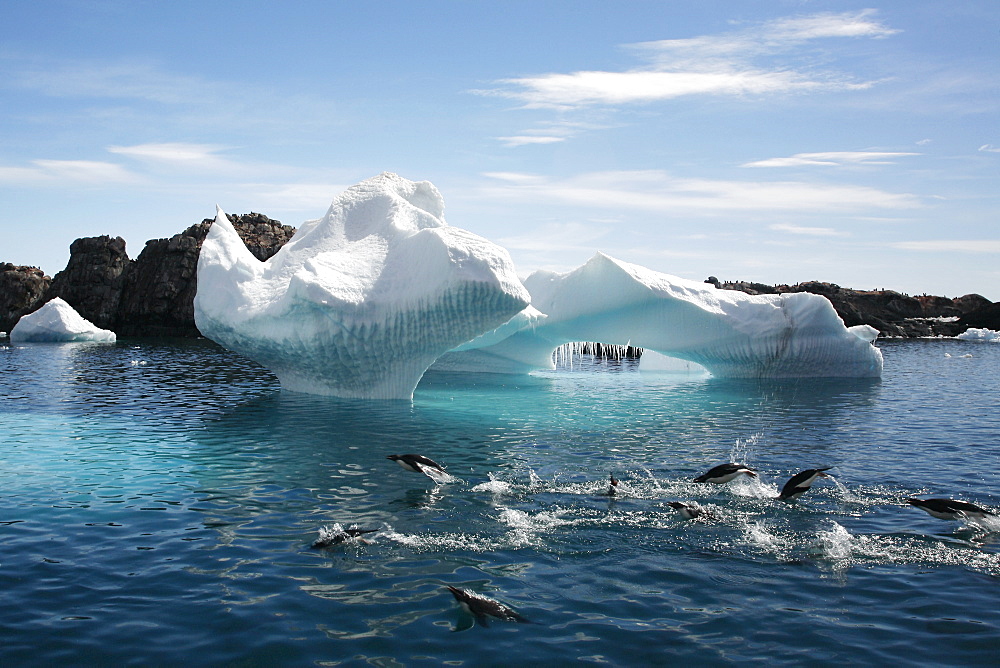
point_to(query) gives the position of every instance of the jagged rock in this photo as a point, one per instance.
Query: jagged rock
(92, 280)
(152, 295)
(158, 291)
(22, 290)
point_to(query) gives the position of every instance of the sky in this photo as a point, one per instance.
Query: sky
(770, 141)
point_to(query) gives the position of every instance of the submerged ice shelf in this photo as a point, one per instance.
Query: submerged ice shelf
(362, 301)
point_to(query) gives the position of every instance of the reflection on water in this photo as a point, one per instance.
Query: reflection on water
(159, 496)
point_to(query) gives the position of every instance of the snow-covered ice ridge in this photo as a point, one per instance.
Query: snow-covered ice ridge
(57, 322)
(362, 301)
(730, 333)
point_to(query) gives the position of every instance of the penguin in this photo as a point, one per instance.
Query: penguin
(800, 483)
(613, 486)
(482, 608)
(688, 511)
(418, 464)
(723, 473)
(328, 536)
(949, 509)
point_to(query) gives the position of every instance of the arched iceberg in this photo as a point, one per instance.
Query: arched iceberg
(57, 322)
(360, 302)
(730, 333)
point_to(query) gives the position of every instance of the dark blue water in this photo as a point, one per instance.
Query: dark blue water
(158, 501)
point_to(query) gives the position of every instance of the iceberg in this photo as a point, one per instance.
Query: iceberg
(57, 322)
(360, 302)
(729, 333)
(979, 334)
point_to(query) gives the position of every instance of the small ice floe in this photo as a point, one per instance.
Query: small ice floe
(58, 322)
(980, 334)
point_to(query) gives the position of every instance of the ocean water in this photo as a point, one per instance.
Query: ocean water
(159, 500)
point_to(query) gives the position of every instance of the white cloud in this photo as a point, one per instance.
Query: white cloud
(77, 172)
(169, 152)
(658, 191)
(808, 231)
(724, 64)
(989, 148)
(522, 140)
(832, 158)
(951, 245)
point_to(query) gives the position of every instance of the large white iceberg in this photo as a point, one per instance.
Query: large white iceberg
(360, 302)
(730, 333)
(57, 322)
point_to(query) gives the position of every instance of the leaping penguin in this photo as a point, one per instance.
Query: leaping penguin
(800, 483)
(949, 509)
(419, 464)
(688, 511)
(328, 536)
(612, 486)
(482, 608)
(723, 473)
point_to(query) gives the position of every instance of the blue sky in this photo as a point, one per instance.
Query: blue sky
(764, 141)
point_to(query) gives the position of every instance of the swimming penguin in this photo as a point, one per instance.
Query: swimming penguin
(613, 486)
(800, 483)
(949, 509)
(418, 464)
(723, 473)
(328, 536)
(688, 511)
(482, 608)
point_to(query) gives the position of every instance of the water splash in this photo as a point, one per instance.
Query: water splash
(843, 493)
(834, 544)
(744, 449)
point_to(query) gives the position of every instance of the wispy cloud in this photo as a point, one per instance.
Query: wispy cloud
(734, 63)
(951, 245)
(658, 191)
(832, 158)
(76, 172)
(523, 140)
(990, 148)
(807, 231)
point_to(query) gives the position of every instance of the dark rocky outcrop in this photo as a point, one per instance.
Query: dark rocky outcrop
(92, 280)
(894, 314)
(158, 293)
(152, 295)
(985, 317)
(21, 292)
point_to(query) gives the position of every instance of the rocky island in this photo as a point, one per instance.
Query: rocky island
(153, 295)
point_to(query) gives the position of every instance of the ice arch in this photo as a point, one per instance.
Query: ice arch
(730, 333)
(360, 302)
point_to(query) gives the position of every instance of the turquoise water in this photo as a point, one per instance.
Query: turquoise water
(158, 501)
